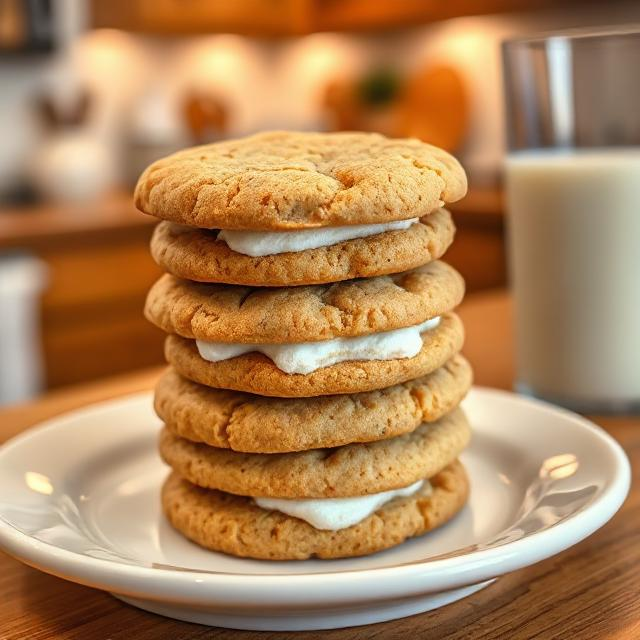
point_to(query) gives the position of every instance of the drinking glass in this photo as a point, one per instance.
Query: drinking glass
(573, 216)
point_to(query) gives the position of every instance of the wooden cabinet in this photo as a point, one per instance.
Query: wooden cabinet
(170, 17)
(478, 251)
(291, 17)
(99, 271)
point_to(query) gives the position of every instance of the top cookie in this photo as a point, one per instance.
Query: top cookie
(289, 180)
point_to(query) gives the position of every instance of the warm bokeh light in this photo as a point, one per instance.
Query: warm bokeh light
(306, 65)
(472, 46)
(109, 59)
(230, 67)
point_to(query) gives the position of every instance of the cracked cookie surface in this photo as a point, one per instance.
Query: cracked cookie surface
(256, 424)
(294, 180)
(228, 313)
(351, 470)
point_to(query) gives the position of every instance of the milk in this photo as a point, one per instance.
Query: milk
(574, 236)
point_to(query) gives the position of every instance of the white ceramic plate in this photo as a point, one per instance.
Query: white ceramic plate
(79, 499)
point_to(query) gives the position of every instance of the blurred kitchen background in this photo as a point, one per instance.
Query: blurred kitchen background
(91, 92)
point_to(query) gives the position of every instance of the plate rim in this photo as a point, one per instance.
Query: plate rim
(382, 583)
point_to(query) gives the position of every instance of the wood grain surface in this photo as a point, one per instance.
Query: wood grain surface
(591, 591)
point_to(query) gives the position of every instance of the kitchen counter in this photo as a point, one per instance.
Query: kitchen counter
(98, 273)
(589, 591)
(43, 224)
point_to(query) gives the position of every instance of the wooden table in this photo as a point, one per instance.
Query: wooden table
(591, 591)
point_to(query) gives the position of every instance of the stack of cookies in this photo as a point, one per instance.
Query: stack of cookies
(311, 405)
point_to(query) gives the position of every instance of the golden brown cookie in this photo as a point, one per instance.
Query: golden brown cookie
(290, 180)
(236, 525)
(255, 373)
(228, 313)
(351, 470)
(196, 254)
(255, 424)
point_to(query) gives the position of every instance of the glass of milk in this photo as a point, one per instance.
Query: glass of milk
(573, 200)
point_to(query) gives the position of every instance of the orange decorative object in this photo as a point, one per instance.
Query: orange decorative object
(435, 107)
(432, 105)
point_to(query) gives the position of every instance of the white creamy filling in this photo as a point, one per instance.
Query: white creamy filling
(306, 357)
(267, 243)
(338, 513)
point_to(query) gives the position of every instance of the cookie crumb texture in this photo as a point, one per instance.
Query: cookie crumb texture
(352, 470)
(237, 526)
(289, 180)
(256, 424)
(227, 313)
(197, 254)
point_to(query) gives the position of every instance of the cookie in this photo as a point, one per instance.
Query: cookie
(236, 525)
(228, 313)
(255, 424)
(289, 180)
(255, 373)
(352, 470)
(196, 254)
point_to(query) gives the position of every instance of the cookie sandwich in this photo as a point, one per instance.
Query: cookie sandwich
(307, 341)
(283, 209)
(311, 408)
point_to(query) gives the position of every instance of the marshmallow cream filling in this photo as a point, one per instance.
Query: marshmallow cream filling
(338, 513)
(267, 243)
(306, 357)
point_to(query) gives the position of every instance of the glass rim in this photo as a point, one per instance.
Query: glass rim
(581, 33)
